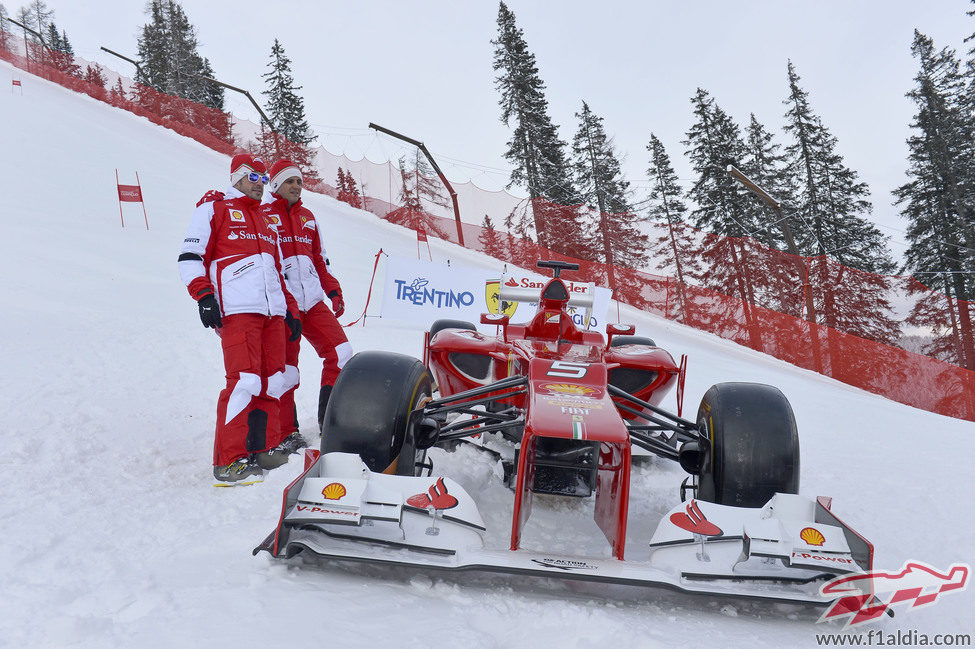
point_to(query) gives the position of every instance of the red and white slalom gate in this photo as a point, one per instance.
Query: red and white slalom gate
(130, 194)
(421, 237)
(15, 83)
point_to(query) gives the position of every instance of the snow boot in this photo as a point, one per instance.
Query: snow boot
(271, 458)
(292, 443)
(240, 472)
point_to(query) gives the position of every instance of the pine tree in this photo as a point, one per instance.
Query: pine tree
(784, 271)
(37, 16)
(676, 249)
(352, 189)
(62, 53)
(936, 203)
(418, 186)
(153, 49)
(832, 204)
(618, 240)
(185, 65)
(286, 110)
(765, 164)
(535, 149)
(210, 94)
(94, 76)
(489, 241)
(4, 29)
(341, 185)
(117, 95)
(522, 250)
(170, 63)
(348, 190)
(725, 214)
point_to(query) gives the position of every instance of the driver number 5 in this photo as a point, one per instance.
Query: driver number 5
(567, 369)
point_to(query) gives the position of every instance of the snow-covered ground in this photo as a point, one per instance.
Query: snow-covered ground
(114, 537)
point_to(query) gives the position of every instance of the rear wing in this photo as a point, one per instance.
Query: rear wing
(580, 295)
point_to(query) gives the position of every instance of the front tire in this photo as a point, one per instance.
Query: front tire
(754, 445)
(369, 408)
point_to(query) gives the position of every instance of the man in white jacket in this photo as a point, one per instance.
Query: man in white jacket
(230, 263)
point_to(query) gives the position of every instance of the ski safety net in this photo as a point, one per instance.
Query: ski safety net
(809, 311)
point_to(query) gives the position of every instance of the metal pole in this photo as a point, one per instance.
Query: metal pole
(443, 179)
(776, 206)
(125, 58)
(277, 144)
(119, 199)
(26, 47)
(143, 201)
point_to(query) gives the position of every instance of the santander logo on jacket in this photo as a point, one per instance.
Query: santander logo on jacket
(231, 249)
(306, 268)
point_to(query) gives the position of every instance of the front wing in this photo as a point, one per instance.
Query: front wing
(784, 551)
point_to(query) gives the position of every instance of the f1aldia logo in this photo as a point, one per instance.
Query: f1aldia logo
(866, 596)
(419, 294)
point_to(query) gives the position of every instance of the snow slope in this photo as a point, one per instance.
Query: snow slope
(113, 536)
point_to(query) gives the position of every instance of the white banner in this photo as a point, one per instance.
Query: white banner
(422, 291)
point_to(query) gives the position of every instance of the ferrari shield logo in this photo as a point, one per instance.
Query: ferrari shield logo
(492, 296)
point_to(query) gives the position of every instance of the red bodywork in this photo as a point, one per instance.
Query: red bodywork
(568, 370)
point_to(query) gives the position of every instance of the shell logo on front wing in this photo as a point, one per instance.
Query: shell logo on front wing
(334, 491)
(569, 388)
(812, 536)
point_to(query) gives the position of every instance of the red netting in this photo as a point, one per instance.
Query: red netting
(812, 312)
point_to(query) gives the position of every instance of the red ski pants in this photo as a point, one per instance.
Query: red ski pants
(322, 329)
(253, 356)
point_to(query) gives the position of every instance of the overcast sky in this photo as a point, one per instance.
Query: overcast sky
(424, 69)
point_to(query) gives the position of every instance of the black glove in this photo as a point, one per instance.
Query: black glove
(209, 311)
(294, 324)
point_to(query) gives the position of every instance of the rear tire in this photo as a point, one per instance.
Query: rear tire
(754, 445)
(619, 341)
(368, 411)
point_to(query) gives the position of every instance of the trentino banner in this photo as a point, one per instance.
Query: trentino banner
(422, 291)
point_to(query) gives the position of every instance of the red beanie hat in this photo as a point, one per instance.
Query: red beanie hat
(244, 163)
(281, 171)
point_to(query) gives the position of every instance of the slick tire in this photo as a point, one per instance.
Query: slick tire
(369, 408)
(445, 323)
(754, 445)
(619, 341)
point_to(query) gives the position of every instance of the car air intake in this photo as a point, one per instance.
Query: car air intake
(630, 379)
(556, 291)
(475, 366)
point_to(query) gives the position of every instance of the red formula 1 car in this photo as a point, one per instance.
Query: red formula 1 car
(572, 405)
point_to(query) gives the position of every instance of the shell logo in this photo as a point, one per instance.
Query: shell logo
(272, 219)
(237, 215)
(334, 491)
(812, 536)
(568, 388)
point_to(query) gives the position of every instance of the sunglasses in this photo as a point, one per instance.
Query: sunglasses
(254, 177)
